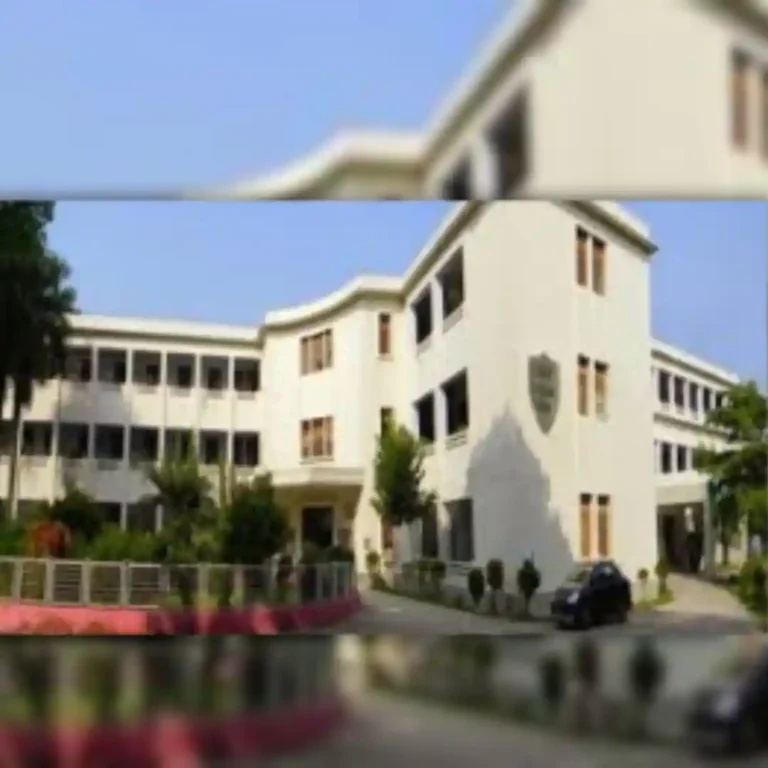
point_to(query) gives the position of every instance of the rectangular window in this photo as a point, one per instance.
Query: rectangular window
(682, 458)
(604, 526)
(679, 386)
(386, 418)
(316, 352)
(425, 417)
(317, 438)
(456, 395)
(385, 334)
(598, 266)
(422, 314)
(461, 531)
(740, 67)
(601, 389)
(585, 526)
(666, 458)
(664, 387)
(693, 397)
(582, 384)
(452, 284)
(706, 398)
(582, 244)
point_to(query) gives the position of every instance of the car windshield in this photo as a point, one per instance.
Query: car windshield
(579, 575)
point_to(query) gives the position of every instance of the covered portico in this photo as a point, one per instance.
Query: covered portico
(321, 503)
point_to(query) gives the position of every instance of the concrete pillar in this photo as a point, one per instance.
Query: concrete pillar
(709, 538)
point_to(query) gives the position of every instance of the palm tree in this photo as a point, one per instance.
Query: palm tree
(189, 514)
(39, 310)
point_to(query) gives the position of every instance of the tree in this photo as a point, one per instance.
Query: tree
(189, 516)
(38, 302)
(77, 511)
(398, 476)
(254, 527)
(739, 472)
(22, 233)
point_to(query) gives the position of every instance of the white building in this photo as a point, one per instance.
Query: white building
(517, 346)
(639, 97)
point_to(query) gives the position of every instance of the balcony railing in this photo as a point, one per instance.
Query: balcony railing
(85, 582)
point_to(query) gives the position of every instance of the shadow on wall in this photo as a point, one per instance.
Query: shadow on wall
(512, 510)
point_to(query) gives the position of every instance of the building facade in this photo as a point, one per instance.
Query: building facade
(517, 346)
(571, 95)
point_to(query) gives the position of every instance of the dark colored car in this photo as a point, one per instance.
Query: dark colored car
(595, 593)
(729, 716)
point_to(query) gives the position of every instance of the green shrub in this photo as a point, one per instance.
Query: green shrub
(494, 574)
(339, 554)
(373, 562)
(476, 585)
(662, 574)
(642, 575)
(438, 572)
(116, 545)
(752, 578)
(528, 582)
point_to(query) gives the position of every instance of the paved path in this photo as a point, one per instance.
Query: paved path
(697, 597)
(391, 731)
(385, 613)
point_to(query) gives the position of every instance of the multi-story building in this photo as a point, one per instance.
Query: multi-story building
(637, 97)
(517, 346)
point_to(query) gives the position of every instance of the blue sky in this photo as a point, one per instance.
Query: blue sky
(128, 93)
(232, 262)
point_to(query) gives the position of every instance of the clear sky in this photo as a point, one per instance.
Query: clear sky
(232, 262)
(117, 93)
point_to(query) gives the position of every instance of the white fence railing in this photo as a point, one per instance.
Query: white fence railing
(86, 582)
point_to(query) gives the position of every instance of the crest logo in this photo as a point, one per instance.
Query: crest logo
(544, 389)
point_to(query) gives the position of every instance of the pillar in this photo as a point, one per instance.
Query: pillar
(709, 537)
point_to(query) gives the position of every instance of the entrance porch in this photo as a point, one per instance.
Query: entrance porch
(321, 503)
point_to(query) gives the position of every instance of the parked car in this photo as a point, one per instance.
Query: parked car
(594, 593)
(728, 716)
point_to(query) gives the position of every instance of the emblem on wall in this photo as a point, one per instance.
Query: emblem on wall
(544, 389)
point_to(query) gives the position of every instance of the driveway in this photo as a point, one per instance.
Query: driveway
(389, 731)
(385, 613)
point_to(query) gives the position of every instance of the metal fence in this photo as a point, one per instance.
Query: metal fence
(125, 680)
(86, 582)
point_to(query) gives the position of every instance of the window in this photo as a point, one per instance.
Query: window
(422, 313)
(509, 139)
(456, 394)
(604, 526)
(36, 438)
(109, 442)
(246, 449)
(458, 186)
(740, 67)
(317, 438)
(452, 284)
(461, 531)
(213, 447)
(585, 526)
(78, 364)
(215, 379)
(693, 397)
(425, 417)
(184, 377)
(666, 458)
(316, 352)
(679, 386)
(582, 384)
(706, 397)
(74, 441)
(598, 266)
(247, 375)
(719, 400)
(582, 244)
(430, 542)
(386, 418)
(385, 334)
(601, 389)
(664, 387)
(682, 458)
(144, 444)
